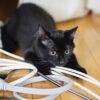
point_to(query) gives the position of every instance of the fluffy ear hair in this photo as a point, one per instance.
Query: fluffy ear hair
(43, 35)
(71, 33)
(41, 31)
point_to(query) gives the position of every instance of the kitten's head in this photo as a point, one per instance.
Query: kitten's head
(55, 47)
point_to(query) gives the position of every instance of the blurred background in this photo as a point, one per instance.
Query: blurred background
(61, 10)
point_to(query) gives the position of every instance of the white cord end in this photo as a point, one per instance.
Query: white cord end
(2, 85)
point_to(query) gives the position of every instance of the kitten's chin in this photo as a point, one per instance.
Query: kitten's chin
(62, 65)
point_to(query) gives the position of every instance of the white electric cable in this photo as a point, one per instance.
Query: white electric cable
(72, 72)
(55, 92)
(65, 71)
(87, 90)
(76, 73)
(79, 73)
(12, 65)
(16, 86)
(11, 55)
(52, 92)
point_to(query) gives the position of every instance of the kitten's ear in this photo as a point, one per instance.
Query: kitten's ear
(71, 33)
(42, 33)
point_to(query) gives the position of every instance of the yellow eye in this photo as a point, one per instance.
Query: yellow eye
(52, 53)
(66, 52)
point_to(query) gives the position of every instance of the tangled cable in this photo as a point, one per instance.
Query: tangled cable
(16, 86)
(81, 76)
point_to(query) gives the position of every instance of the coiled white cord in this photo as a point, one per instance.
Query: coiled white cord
(64, 70)
(81, 76)
(78, 74)
(12, 65)
(53, 92)
(11, 55)
(16, 86)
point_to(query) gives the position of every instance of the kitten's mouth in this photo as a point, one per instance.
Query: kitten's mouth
(63, 63)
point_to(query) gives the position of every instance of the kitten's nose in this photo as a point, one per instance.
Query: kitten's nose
(60, 60)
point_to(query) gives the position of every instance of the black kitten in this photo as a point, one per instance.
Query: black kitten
(34, 31)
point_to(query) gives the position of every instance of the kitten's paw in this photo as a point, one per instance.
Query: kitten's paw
(83, 70)
(80, 69)
(44, 70)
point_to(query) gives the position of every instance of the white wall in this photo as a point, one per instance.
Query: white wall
(61, 9)
(94, 5)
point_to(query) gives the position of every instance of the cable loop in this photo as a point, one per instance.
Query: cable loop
(3, 85)
(17, 85)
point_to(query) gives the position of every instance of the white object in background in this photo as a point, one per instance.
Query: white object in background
(61, 10)
(1, 24)
(94, 5)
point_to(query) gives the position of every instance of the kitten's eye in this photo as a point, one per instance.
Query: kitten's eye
(66, 51)
(52, 53)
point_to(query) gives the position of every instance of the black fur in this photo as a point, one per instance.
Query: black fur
(34, 31)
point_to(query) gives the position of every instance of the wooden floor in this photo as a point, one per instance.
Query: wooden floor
(87, 50)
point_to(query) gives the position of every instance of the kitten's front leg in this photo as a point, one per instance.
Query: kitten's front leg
(43, 66)
(73, 63)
